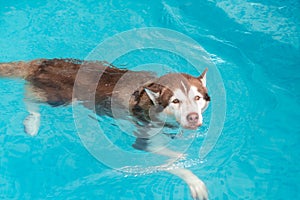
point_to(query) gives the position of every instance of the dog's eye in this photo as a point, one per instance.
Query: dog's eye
(175, 101)
(197, 98)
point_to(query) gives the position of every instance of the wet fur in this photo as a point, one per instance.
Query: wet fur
(52, 81)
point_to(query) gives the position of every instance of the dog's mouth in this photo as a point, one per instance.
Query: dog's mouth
(192, 126)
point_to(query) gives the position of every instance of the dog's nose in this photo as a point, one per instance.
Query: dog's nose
(193, 118)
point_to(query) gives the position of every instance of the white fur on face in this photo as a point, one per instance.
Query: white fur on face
(188, 103)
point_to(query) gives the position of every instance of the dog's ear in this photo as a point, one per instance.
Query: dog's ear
(202, 77)
(152, 95)
(158, 94)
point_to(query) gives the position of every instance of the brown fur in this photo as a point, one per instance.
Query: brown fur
(195, 81)
(59, 81)
(187, 80)
(52, 81)
(142, 102)
(17, 69)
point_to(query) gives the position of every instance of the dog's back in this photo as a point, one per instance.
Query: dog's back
(52, 81)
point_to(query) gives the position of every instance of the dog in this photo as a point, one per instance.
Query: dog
(147, 98)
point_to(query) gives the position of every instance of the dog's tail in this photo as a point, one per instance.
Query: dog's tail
(15, 69)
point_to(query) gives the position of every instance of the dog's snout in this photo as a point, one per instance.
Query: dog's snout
(192, 118)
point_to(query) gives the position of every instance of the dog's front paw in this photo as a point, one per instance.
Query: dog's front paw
(198, 189)
(32, 123)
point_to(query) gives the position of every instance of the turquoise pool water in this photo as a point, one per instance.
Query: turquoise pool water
(255, 45)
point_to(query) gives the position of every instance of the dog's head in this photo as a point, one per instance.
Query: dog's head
(179, 95)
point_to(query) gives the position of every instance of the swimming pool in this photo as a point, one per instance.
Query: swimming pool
(255, 47)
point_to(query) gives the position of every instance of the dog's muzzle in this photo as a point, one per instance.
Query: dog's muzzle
(193, 120)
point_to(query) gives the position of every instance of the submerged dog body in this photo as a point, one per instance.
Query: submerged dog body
(140, 94)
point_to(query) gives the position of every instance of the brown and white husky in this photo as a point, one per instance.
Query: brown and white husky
(148, 97)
